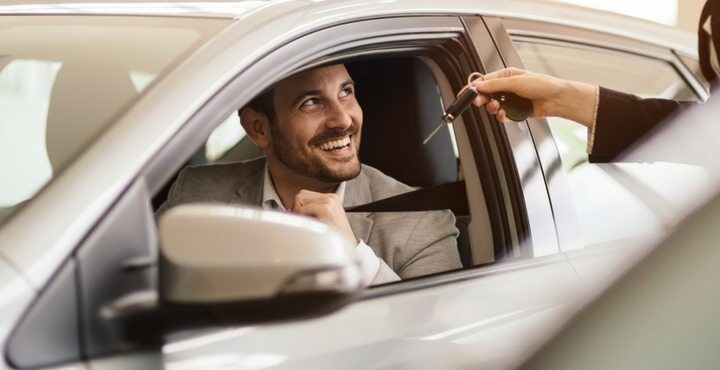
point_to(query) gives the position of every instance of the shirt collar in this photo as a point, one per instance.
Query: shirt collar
(271, 199)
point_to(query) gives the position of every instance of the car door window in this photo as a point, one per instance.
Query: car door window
(621, 200)
(393, 132)
(479, 166)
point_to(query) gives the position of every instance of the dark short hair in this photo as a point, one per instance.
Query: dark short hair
(263, 103)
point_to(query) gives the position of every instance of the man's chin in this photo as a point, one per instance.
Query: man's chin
(346, 172)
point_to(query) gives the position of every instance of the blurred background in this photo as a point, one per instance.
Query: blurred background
(677, 13)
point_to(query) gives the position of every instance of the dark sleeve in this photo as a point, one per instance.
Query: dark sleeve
(624, 118)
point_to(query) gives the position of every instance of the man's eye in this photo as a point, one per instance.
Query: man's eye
(310, 102)
(347, 91)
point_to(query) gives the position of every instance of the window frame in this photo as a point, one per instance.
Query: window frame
(558, 186)
(540, 234)
(305, 50)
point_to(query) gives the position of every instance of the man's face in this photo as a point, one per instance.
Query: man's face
(317, 130)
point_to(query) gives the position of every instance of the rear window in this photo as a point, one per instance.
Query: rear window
(63, 80)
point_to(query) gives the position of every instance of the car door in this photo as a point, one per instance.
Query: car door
(608, 206)
(515, 282)
(433, 321)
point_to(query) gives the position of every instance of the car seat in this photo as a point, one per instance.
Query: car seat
(401, 107)
(83, 98)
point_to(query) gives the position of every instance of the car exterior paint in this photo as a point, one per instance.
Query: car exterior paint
(457, 320)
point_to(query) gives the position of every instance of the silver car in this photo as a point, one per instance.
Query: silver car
(103, 103)
(660, 315)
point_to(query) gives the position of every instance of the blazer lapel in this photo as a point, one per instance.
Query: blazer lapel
(357, 192)
(250, 188)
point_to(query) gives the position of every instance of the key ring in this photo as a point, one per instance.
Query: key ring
(474, 76)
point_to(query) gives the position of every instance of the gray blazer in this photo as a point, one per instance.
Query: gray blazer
(411, 243)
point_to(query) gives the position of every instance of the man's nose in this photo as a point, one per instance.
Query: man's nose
(338, 115)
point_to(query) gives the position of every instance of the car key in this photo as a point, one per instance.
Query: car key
(454, 110)
(516, 107)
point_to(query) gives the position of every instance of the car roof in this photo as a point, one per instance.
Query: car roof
(289, 14)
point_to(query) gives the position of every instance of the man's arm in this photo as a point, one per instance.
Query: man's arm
(431, 247)
(615, 120)
(375, 270)
(327, 207)
(622, 119)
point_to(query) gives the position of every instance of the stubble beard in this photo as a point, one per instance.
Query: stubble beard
(300, 162)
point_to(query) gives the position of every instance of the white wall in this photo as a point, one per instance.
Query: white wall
(689, 13)
(678, 13)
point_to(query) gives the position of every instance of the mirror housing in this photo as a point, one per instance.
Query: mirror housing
(218, 253)
(223, 265)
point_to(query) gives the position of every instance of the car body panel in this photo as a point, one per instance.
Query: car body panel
(407, 328)
(315, 11)
(468, 317)
(662, 313)
(532, 10)
(542, 229)
(17, 294)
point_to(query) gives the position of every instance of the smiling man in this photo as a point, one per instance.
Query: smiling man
(308, 126)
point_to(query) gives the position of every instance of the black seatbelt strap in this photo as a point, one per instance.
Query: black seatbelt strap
(445, 196)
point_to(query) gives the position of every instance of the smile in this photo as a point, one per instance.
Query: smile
(338, 144)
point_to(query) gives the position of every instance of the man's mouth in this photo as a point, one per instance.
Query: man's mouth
(337, 144)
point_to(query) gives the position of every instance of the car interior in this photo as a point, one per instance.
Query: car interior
(401, 105)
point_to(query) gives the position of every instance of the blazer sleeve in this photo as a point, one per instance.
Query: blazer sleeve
(431, 246)
(624, 118)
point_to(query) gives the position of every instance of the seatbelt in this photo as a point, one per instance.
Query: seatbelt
(445, 196)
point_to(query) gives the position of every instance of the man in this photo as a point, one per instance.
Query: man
(614, 119)
(308, 126)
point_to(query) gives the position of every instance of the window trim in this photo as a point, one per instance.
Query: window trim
(299, 54)
(568, 228)
(548, 32)
(540, 235)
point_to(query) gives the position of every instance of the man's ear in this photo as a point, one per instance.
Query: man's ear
(257, 126)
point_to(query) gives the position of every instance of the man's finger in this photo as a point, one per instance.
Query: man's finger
(504, 73)
(308, 194)
(492, 107)
(511, 84)
(481, 100)
(501, 116)
(305, 198)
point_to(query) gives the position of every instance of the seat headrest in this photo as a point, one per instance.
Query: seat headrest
(84, 97)
(401, 106)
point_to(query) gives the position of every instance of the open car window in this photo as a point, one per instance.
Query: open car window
(639, 198)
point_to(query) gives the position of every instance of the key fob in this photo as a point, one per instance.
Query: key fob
(516, 107)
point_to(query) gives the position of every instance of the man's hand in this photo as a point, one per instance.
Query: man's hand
(325, 207)
(551, 97)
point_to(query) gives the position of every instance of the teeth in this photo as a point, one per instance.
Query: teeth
(334, 144)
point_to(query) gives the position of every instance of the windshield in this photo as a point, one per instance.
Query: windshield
(63, 79)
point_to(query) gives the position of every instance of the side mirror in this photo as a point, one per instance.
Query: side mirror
(224, 265)
(218, 253)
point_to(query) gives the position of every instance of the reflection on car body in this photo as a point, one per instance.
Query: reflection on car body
(672, 324)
